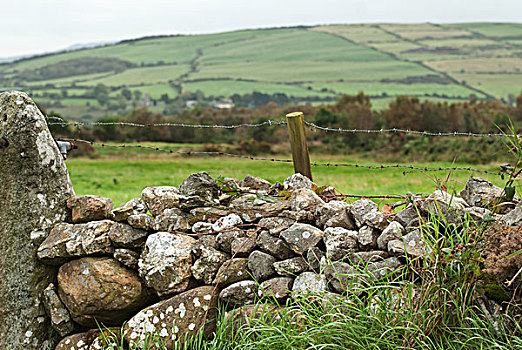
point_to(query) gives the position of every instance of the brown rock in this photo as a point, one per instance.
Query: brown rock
(232, 271)
(79, 341)
(126, 236)
(157, 199)
(133, 207)
(143, 221)
(90, 208)
(278, 288)
(275, 225)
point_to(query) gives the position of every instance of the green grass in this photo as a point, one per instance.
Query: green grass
(493, 30)
(358, 33)
(142, 75)
(499, 85)
(155, 90)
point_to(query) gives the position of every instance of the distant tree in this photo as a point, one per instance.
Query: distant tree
(101, 94)
(126, 93)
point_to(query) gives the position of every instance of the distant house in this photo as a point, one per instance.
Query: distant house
(223, 105)
(191, 103)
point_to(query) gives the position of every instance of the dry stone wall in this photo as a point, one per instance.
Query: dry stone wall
(162, 262)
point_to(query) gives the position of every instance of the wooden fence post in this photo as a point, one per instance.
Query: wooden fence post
(296, 133)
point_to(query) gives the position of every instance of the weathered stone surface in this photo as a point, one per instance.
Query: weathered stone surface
(157, 199)
(228, 221)
(141, 221)
(261, 265)
(255, 183)
(75, 240)
(207, 214)
(513, 217)
(363, 258)
(406, 216)
(297, 181)
(100, 289)
(239, 293)
(339, 242)
(367, 238)
(202, 227)
(175, 318)
(341, 276)
(314, 256)
(376, 220)
(480, 192)
(393, 231)
(208, 264)
(360, 208)
(478, 214)
(441, 203)
(275, 225)
(90, 208)
(291, 267)
(166, 261)
(127, 257)
(252, 314)
(60, 318)
(236, 241)
(249, 211)
(133, 207)
(412, 244)
(199, 190)
(79, 341)
(384, 268)
(334, 214)
(34, 187)
(208, 241)
(274, 246)
(300, 237)
(126, 236)
(278, 288)
(232, 271)
(309, 282)
(305, 202)
(172, 220)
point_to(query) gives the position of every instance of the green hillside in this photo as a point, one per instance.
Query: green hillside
(298, 65)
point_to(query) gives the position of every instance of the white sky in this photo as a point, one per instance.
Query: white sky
(37, 26)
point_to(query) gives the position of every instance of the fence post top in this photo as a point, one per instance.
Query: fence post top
(294, 114)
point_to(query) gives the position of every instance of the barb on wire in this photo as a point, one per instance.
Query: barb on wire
(404, 131)
(225, 154)
(180, 125)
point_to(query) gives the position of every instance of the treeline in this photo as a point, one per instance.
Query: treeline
(349, 112)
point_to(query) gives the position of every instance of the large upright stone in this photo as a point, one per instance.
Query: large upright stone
(33, 197)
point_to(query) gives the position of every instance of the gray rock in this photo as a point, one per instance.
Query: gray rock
(133, 207)
(127, 257)
(157, 199)
(297, 181)
(239, 293)
(390, 233)
(443, 204)
(406, 216)
(202, 227)
(275, 225)
(300, 237)
(34, 187)
(199, 190)
(255, 183)
(304, 199)
(363, 258)
(249, 211)
(232, 271)
(376, 220)
(291, 267)
(166, 261)
(341, 276)
(236, 241)
(367, 238)
(208, 264)
(360, 208)
(334, 214)
(228, 221)
(90, 208)
(314, 256)
(126, 236)
(275, 246)
(278, 288)
(412, 244)
(76, 240)
(480, 192)
(141, 221)
(261, 265)
(207, 214)
(478, 214)
(513, 217)
(60, 318)
(208, 241)
(172, 220)
(309, 282)
(383, 269)
(339, 242)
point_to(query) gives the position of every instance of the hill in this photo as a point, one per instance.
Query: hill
(299, 65)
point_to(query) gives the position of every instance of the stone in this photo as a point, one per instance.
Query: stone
(513, 217)
(341, 276)
(208, 241)
(199, 190)
(133, 207)
(363, 258)
(296, 182)
(100, 289)
(261, 265)
(480, 192)
(360, 208)
(309, 282)
(239, 293)
(478, 215)
(208, 264)
(367, 238)
(236, 241)
(79, 341)
(75, 240)
(255, 183)
(228, 221)
(127, 257)
(277, 288)
(157, 199)
(172, 220)
(141, 221)
(384, 268)
(251, 315)
(250, 212)
(275, 225)
(339, 242)
(207, 214)
(166, 261)
(35, 187)
(376, 220)
(314, 256)
(300, 237)
(232, 271)
(274, 246)
(175, 319)
(412, 244)
(443, 204)
(393, 231)
(334, 214)
(202, 227)
(406, 216)
(291, 267)
(304, 199)
(60, 318)
(90, 208)
(126, 236)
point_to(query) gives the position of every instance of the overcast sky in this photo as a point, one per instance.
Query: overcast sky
(37, 26)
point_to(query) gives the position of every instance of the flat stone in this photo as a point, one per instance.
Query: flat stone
(376, 220)
(239, 293)
(275, 225)
(226, 222)
(232, 271)
(255, 183)
(172, 220)
(406, 216)
(166, 261)
(199, 190)
(443, 204)
(360, 208)
(157, 199)
(207, 214)
(305, 199)
(390, 233)
(90, 208)
(300, 237)
(202, 227)
(60, 318)
(412, 244)
(314, 256)
(297, 181)
(334, 214)
(339, 242)
(278, 288)
(309, 282)
(291, 267)
(513, 217)
(100, 289)
(261, 265)
(126, 236)
(127, 257)
(367, 238)
(133, 207)
(274, 246)
(208, 264)
(236, 241)
(141, 221)
(249, 211)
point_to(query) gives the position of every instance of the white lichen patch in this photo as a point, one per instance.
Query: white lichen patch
(207, 297)
(306, 234)
(196, 302)
(46, 150)
(191, 326)
(181, 310)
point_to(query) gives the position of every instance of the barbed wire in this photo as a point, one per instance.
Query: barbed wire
(226, 154)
